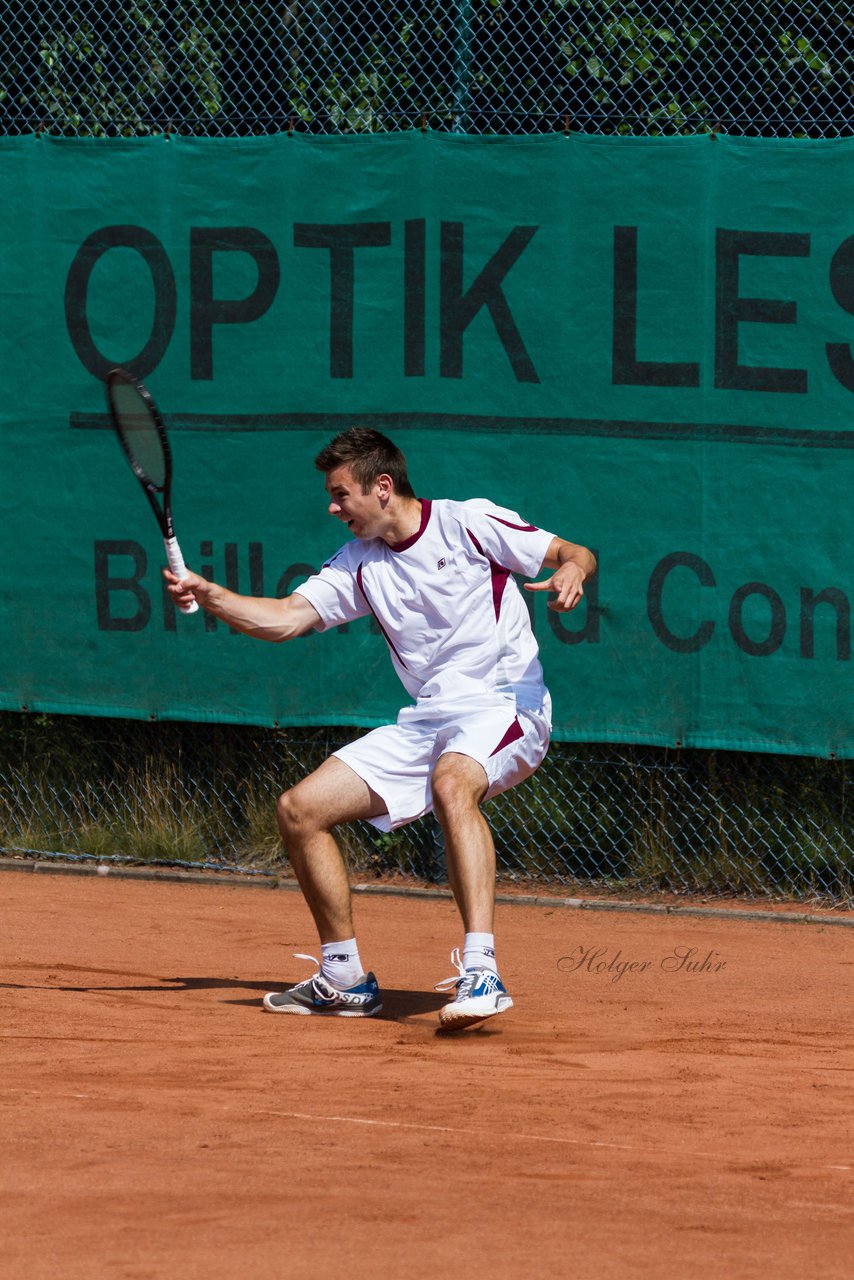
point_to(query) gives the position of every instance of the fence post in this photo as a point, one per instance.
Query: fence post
(462, 67)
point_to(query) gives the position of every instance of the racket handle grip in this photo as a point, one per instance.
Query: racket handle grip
(176, 564)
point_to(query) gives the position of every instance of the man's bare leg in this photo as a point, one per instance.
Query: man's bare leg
(459, 784)
(307, 814)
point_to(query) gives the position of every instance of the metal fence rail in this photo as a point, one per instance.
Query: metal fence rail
(236, 67)
(637, 818)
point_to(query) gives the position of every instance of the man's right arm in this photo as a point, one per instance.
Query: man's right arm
(263, 617)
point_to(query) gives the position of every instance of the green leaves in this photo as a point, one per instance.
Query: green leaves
(491, 66)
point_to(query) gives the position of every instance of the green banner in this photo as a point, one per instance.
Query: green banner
(644, 345)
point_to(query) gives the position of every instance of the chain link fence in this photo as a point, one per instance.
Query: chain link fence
(623, 817)
(237, 67)
(612, 818)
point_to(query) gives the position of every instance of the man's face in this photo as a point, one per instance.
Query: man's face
(361, 512)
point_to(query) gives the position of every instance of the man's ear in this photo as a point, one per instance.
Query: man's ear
(385, 486)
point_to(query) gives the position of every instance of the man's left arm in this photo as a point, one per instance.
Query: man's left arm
(571, 567)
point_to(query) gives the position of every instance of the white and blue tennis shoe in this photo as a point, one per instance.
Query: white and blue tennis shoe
(478, 994)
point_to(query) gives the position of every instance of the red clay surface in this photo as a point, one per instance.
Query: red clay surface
(662, 1123)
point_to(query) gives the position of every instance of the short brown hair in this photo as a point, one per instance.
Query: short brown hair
(368, 454)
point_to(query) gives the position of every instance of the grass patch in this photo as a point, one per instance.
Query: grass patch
(611, 817)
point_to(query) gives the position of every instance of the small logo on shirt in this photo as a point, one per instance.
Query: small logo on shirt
(441, 563)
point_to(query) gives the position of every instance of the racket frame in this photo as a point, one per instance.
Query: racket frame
(120, 377)
(163, 514)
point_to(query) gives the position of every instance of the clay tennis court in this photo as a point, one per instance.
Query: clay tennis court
(630, 1117)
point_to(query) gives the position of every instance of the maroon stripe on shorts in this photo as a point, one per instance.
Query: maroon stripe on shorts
(513, 734)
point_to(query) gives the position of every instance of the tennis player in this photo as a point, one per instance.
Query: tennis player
(436, 575)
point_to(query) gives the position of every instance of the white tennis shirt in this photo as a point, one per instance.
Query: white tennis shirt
(455, 622)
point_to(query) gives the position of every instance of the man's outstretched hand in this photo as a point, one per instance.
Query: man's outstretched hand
(567, 584)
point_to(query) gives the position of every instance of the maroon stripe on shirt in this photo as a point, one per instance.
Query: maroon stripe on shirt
(513, 734)
(500, 576)
(426, 504)
(523, 528)
(361, 587)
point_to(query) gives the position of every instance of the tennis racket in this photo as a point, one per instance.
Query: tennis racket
(140, 429)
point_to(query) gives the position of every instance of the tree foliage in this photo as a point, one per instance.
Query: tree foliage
(237, 67)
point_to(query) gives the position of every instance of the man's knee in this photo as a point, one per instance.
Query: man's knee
(292, 814)
(458, 782)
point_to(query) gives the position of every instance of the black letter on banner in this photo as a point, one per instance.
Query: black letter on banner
(731, 310)
(458, 309)
(342, 242)
(655, 612)
(77, 288)
(256, 569)
(205, 309)
(293, 571)
(842, 287)
(840, 602)
(627, 370)
(414, 293)
(590, 632)
(105, 584)
(777, 630)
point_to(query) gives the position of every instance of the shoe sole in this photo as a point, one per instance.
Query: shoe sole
(456, 1020)
(321, 1013)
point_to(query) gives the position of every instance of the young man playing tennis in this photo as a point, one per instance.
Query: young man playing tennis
(436, 576)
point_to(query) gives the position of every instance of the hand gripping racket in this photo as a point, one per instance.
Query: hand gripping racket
(140, 429)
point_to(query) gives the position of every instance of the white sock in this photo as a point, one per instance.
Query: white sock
(341, 964)
(479, 952)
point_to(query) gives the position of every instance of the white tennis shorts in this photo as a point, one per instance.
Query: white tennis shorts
(397, 760)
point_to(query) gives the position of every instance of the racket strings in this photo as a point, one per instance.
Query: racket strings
(140, 436)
